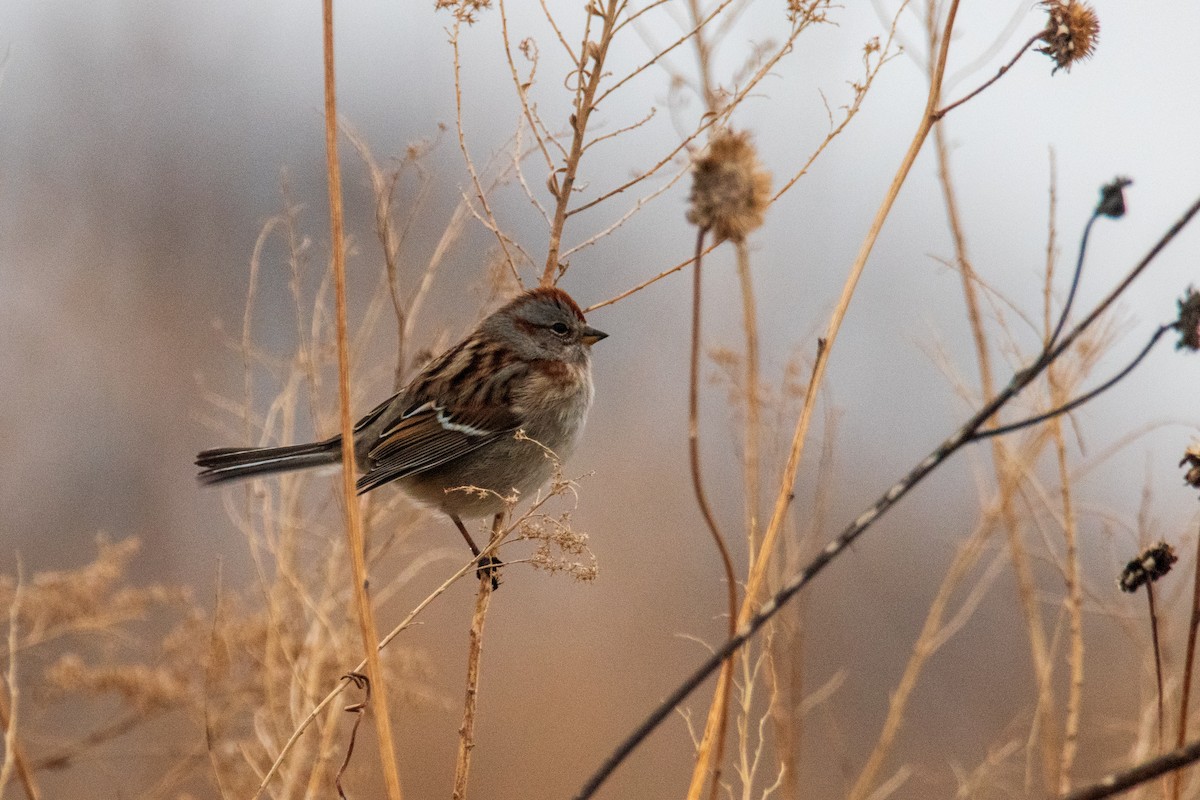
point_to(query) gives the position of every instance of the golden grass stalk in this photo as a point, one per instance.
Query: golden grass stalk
(354, 534)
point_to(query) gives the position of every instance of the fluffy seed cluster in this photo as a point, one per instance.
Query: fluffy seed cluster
(1071, 32)
(730, 188)
(1188, 323)
(1150, 565)
(1191, 459)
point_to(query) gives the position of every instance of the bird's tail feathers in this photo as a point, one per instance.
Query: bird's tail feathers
(231, 463)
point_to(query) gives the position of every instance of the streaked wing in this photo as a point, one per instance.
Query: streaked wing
(428, 436)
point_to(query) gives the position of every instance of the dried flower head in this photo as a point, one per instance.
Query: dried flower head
(1112, 198)
(1191, 457)
(1150, 565)
(730, 189)
(1188, 323)
(463, 10)
(1071, 32)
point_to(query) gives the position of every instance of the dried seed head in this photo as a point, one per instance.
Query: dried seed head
(1150, 565)
(1071, 32)
(463, 10)
(730, 189)
(1112, 198)
(1188, 323)
(1191, 457)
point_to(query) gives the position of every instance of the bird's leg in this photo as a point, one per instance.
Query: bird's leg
(488, 565)
(458, 523)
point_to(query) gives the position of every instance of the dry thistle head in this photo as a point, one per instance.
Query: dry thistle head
(730, 189)
(1188, 323)
(1150, 565)
(1071, 32)
(1191, 457)
(1112, 198)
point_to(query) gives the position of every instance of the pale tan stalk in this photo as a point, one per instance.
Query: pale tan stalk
(753, 433)
(320, 707)
(1188, 668)
(783, 496)
(711, 753)
(934, 633)
(19, 759)
(1074, 578)
(354, 534)
(710, 750)
(490, 218)
(1003, 468)
(750, 475)
(562, 189)
(14, 754)
(466, 731)
(1074, 600)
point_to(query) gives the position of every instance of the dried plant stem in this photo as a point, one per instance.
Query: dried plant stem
(1074, 602)
(709, 757)
(490, 221)
(14, 754)
(466, 731)
(320, 707)
(1073, 576)
(753, 423)
(681, 265)
(1070, 405)
(1188, 667)
(1158, 673)
(952, 444)
(19, 760)
(1000, 74)
(783, 497)
(1007, 472)
(710, 751)
(1136, 775)
(354, 534)
(932, 636)
(584, 105)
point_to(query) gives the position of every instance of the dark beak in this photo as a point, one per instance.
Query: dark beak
(591, 335)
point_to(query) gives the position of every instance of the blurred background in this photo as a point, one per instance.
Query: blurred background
(144, 146)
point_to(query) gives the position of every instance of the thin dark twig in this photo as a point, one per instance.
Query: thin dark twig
(893, 495)
(937, 115)
(1062, 320)
(357, 709)
(1158, 674)
(1078, 401)
(1122, 781)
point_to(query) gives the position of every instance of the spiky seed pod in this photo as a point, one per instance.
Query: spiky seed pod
(1112, 198)
(1188, 323)
(1071, 32)
(1150, 565)
(730, 189)
(1191, 458)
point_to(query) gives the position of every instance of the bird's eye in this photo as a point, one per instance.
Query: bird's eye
(560, 328)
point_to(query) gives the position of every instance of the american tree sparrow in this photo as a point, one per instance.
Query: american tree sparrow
(526, 367)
